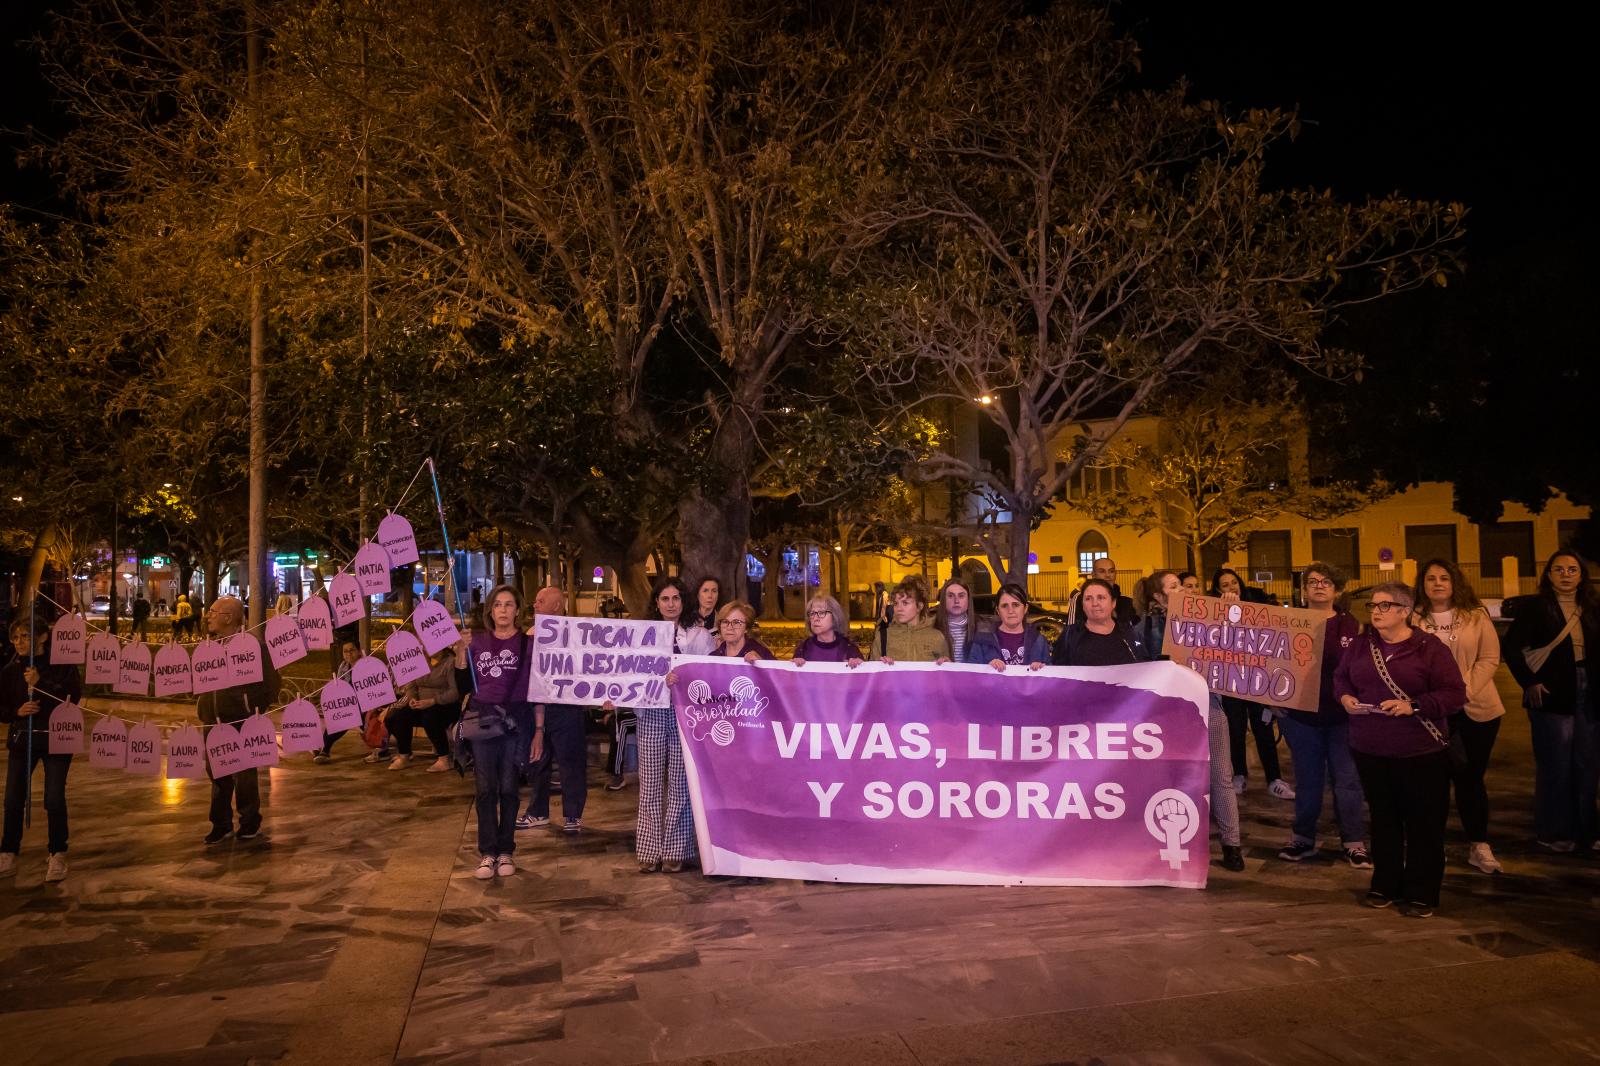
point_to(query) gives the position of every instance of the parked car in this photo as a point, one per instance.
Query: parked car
(101, 605)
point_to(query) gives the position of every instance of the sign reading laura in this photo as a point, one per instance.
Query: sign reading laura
(1255, 651)
(591, 660)
(925, 774)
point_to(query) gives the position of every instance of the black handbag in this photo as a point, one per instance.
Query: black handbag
(487, 721)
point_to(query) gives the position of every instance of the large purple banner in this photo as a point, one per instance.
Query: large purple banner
(948, 774)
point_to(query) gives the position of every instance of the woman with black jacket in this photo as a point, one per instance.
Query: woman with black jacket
(31, 688)
(1553, 639)
(1097, 638)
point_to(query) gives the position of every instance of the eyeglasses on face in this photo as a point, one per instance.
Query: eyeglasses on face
(733, 623)
(1318, 583)
(1379, 606)
(1565, 571)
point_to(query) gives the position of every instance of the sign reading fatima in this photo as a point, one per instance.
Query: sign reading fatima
(1255, 651)
(947, 774)
(588, 661)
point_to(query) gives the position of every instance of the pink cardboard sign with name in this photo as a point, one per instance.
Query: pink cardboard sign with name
(66, 730)
(399, 543)
(406, 658)
(339, 708)
(144, 749)
(133, 670)
(260, 741)
(108, 745)
(344, 596)
(285, 643)
(67, 639)
(185, 755)
(244, 659)
(370, 678)
(372, 570)
(104, 659)
(209, 667)
(224, 750)
(434, 626)
(302, 729)
(172, 674)
(316, 624)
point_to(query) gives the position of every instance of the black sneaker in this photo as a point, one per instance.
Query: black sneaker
(1293, 852)
(1358, 858)
(1377, 901)
(572, 825)
(1232, 857)
(1417, 910)
(217, 836)
(249, 834)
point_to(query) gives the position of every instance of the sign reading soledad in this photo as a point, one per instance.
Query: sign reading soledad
(952, 774)
(1255, 651)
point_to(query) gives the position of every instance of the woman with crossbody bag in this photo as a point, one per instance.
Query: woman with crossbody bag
(1547, 650)
(497, 722)
(1400, 686)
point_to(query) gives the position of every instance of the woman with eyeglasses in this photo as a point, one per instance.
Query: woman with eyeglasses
(1449, 609)
(734, 621)
(829, 640)
(1400, 686)
(1012, 641)
(1319, 741)
(1548, 650)
(1246, 716)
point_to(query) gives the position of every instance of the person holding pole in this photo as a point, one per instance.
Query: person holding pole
(30, 690)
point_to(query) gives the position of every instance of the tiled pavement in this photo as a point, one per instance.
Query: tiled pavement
(354, 932)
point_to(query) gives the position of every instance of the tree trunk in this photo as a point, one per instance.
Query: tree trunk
(714, 530)
(569, 564)
(212, 567)
(1017, 541)
(842, 571)
(633, 580)
(256, 566)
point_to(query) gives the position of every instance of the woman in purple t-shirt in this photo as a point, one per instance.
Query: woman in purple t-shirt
(829, 641)
(495, 664)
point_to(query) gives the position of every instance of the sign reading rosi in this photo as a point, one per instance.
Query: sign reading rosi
(1255, 651)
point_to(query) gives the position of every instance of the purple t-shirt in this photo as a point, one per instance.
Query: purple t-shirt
(837, 650)
(494, 662)
(1011, 647)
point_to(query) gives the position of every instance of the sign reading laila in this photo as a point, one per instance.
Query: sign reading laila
(104, 659)
(1255, 651)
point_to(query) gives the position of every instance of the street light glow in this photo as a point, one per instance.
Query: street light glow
(985, 399)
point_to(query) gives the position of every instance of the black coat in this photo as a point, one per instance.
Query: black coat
(1538, 619)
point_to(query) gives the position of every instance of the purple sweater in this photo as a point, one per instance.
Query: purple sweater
(1424, 669)
(840, 650)
(1339, 634)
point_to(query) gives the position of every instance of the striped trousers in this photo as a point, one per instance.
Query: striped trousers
(1224, 801)
(665, 830)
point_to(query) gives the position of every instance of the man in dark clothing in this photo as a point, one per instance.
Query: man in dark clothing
(233, 705)
(1106, 570)
(141, 617)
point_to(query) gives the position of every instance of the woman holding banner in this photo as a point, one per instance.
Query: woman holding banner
(910, 635)
(31, 688)
(1097, 638)
(664, 831)
(1449, 609)
(1400, 687)
(1012, 641)
(1245, 716)
(829, 640)
(734, 622)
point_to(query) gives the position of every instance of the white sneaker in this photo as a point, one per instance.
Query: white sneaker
(372, 757)
(1281, 789)
(504, 866)
(485, 868)
(8, 863)
(1481, 856)
(56, 870)
(1238, 784)
(400, 762)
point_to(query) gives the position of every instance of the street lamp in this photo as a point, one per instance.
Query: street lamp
(985, 399)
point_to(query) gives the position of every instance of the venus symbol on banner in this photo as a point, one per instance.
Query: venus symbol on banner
(104, 659)
(316, 623)
(67, 639)
(133, 670)
(434, 626)
(185, 755)
(144, 749)
(66, 730)
(370, 678)
(171, 673)
(224, 750)
(372, 570)
(285, 642)
(399, 543)
(108, 745)
(302, 729)
(209, 667)
(244, 659)
(344, 596)
(260, 742)
(406, 658)
(339, 708)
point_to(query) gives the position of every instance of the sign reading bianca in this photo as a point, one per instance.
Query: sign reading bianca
(588, 661)
(948, 774)
(1255, 651)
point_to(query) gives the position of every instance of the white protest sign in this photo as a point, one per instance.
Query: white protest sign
(133, 670)
(316, 623)
(108, 745)
(172, 674)
(144, 749)
(588, 661)
(399, 543)
(344, 596)
(209, 667)
(185, 755)
(406, 658)
(339, 708)
(66, 729)
(224, 750)
(370, 678)
(104, 659)
(260, 741)
(244, 659)
(67, 639)
(285, 642)
(302, 729)
(434, 626)
(372, 570)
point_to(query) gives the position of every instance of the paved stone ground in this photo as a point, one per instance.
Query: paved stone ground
(354, 932)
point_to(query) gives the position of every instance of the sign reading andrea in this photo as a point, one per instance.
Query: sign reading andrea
(591, 660)
(924, 774)
(1255, 651)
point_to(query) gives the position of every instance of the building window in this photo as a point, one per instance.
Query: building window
(1339, 548)
(1097, 480)
(1091, 546)
(1213, 557)
(1269, 555)
(1431, 542)
(1567, 533)
(1496, 540)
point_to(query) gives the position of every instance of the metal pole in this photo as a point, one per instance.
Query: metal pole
(449, 556)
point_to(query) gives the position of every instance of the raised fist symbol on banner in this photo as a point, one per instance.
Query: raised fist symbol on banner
(1173, 819)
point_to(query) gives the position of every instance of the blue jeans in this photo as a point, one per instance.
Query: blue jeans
(1566, 771)
(495, 766)
(1321, 753)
